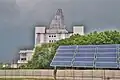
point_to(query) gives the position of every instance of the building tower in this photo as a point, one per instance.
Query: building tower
(57, 24)
(58, 20)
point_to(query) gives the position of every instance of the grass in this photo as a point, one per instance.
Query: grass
(23, 79)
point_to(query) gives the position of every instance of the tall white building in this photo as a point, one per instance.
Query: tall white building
(56, 31)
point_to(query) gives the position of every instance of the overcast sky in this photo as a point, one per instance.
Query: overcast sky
(17, 18)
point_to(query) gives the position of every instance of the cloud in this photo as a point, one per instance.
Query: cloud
(18, 16)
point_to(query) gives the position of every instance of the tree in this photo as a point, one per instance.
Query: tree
(42, 56)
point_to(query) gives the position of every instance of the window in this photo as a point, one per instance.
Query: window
(54, 35)
(49, 35)
(23, 54)
(51, 40)
(54, 40)
(23, 59)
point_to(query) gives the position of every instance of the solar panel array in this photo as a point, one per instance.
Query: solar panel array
(89, 56)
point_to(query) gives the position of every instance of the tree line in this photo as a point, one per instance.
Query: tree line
(44, 54)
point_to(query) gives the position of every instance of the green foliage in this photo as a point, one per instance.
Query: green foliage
(44, 54)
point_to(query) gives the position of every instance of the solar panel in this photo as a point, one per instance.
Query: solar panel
(106, 65)
(106, 55)
(107, 50)
(83, 64)
(85, 55)
(66, 50)
(64, 55)
(107, 46)
(72, 47)
(95, 56)
(84, 59)
(106, 59)
(62, 63)
(63, 58)
(86, 46)
(87, 50)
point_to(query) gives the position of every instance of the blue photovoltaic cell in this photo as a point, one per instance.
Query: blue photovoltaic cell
(106, 55)
(84, 55)
(83, 59)
(93, 49)
(64, 55)
(107, 50)
(88, 50)
(62, 59)
(67, 47)
(83, 64)
(66, 50)
(86, 46)
(106, 59)
(106, 46)
(106, 65)
(62, 63)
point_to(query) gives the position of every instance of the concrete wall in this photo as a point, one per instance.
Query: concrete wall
(66, 74)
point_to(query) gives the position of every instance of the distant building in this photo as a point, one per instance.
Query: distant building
(25, 56)
(56, 31)
(14, 66)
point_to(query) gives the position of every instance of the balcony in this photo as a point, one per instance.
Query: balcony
(22, 61)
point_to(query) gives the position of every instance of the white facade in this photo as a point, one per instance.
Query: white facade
(78, 30)
(40, 32)
(25, 56)
(53, 37)
(14, 66)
